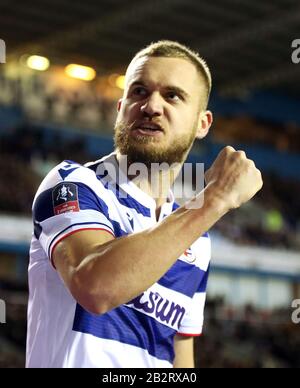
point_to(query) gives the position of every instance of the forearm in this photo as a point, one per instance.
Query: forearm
(123, 268)
(184, 352)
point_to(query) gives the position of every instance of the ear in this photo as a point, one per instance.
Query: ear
(204, 123)
(119, 104)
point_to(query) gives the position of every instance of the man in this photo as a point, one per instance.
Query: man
(118, 276)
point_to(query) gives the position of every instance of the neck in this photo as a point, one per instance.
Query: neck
(155, 181)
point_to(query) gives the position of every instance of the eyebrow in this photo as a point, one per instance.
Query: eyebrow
(169, 88)
(178, 90)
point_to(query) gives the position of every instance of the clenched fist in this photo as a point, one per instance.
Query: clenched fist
(234, 178)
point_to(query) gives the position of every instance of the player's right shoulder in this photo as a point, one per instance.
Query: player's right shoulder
(67, 171)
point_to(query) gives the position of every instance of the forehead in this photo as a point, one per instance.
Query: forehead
(164, 72)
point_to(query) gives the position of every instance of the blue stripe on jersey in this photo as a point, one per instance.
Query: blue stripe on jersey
(203, 284)
(64, 173)
(175, 206)
(125, 199)
(37, 229)
(128, 326)
(43, 206)
(88, 200)
(184, 278)
(68, 167)
(94, 167)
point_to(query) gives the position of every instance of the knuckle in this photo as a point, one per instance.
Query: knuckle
(237, 157)
(228, 149)
(251, 164)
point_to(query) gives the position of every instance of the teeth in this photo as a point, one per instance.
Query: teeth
(152, 128)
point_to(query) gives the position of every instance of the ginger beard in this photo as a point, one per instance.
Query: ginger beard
(146, 149)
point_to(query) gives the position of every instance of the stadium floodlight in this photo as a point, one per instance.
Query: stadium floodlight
(37, 62)
(120, 82)
(84, 73)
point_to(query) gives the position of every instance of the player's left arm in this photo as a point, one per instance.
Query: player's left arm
(184, 352)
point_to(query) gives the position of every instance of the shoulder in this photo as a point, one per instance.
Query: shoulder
(69, 180)
(66, 171)
(70, 171)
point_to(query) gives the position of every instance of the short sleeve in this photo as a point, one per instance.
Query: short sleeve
(65, 208)
(192, 323)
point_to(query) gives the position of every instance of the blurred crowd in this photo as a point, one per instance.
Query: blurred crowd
(49, 97)
(247, 338)
(13, 331)
(248, 130)
(271, 219)
(26, 156)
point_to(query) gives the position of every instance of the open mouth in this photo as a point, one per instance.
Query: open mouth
(148, 129)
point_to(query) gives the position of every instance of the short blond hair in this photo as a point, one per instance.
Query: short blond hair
(172, 49)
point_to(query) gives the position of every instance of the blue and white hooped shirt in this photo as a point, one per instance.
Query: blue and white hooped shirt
(139, 333)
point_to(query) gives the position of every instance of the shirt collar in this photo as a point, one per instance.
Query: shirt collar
(117, 176)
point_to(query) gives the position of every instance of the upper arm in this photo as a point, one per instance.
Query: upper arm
(184, 352)
(71, 253)
(72, 222)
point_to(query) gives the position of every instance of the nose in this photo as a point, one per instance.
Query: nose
(153, 106)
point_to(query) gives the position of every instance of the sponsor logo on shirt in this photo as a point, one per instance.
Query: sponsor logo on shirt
(190, 257)
(65, 198)
(159, 307)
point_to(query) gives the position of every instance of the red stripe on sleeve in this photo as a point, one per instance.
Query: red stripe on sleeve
(69, 234)
(189, 335)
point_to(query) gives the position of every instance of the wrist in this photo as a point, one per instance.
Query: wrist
(214, 199)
